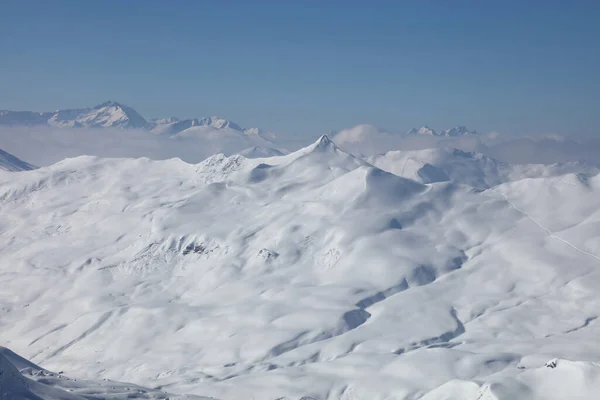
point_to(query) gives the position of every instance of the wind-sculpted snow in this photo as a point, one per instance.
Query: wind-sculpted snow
(313, 274)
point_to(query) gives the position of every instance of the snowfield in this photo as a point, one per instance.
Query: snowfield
(315, 274)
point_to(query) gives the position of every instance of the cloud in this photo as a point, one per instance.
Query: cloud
(42, 145)
(368, 140)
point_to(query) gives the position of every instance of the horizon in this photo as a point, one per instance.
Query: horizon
(177, 117)
(304, 68)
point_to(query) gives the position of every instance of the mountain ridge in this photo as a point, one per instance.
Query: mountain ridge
(112, 114)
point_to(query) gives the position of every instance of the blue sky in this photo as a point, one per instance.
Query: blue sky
(311, 66)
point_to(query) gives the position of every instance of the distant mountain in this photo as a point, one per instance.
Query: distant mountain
(453, 132)
(367, 139)
(424, 130)
(106, 115)
(8, 162)
(116, 115)
(172, 126)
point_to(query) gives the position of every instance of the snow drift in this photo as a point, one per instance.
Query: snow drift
(313, 274)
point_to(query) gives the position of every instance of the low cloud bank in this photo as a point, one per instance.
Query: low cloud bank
(41, 145)
(367, 140)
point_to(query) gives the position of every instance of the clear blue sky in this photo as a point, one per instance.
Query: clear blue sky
(525, 66)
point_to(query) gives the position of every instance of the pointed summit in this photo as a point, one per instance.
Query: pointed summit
(424, 130)
(323, 144)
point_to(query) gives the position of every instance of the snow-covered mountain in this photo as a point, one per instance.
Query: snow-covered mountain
(24, 118)
(115, 115)
(424, 130)
(452, 132)
(469, 168)
(106, 115)
(8, 162)
(172, 126)
(310, 274)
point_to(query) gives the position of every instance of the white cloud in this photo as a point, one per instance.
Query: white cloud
(43, 145)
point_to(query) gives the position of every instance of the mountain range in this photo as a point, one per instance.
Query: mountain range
(112, 114)
(452, 132)
(431, 275)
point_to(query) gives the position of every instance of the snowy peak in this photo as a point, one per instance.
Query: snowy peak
(106, 115)
(323, 144)
(424, 130)
(453, 132)
(324, 153)
(111, 114)
(221, 123)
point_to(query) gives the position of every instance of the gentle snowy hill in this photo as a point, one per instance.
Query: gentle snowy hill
(473, 169)
(310, 274)
(175, 126)
(8, 162)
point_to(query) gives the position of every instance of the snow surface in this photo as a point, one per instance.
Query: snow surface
(469, 168)
(21, 379)
(313, 274)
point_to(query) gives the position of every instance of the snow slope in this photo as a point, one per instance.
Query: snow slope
(309, 274)
(469, 168)
(21, 379)
(8, 162)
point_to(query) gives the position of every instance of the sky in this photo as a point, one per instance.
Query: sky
(516, 67)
